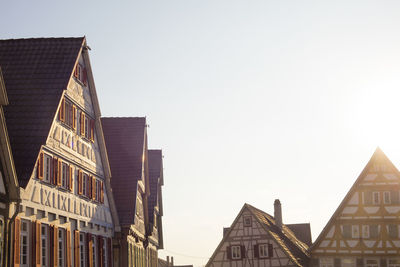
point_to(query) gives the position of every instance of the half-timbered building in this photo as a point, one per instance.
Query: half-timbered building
(364, 230)
(67, 215)
(126, 140)
(258, 239)
(9, 193)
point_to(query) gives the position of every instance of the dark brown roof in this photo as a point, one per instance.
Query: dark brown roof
(125, 141)
(36, 71)
(302, 232)
(155, 173)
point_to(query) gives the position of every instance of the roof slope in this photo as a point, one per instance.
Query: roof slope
(125, 141)
(302, 232)
(155, 173)
(36, 71)
(377, 157)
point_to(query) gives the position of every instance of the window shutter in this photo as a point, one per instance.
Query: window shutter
(17, 236)
(89, 250)
(61, 113)
(59, 174)
(55, 170)
(76, 248)
(82, 124)
(92, 130)
(93, 188)
(55, 246)
(109, 240)
(74, 117)
(270, 250)
(51, 254)
(243, 252)
(88, 186)
(68, 248)
(40, 166)
(76, 72)
(100, 251)
(71, 179)
(101, 192)
(37, 245)
(256, 251)
(229, 252)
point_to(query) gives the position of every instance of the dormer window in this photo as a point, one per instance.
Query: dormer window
(80, 74)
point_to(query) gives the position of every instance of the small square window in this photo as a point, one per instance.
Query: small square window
(236, 252)
(247, 220)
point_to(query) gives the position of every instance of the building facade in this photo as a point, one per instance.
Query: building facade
(258, 239)
(364, 230)
(67, 215)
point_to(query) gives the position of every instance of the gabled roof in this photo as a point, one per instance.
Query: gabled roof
(378, 156)
(295, 250)
(36, 71)
(125, 141)
(155, 176)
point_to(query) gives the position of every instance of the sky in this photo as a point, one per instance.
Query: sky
(249, 100)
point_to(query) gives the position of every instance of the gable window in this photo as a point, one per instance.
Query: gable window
(84, 182)
(86, 126)
(47, 167)
(247, 221)
(394, 262)
(386, 197)
(355, 231)
(326, 262)
(263, 250)
(394, 197)
(24, 251)
(371, 263)
(375, 198)
(373, 231)
(236, 252)
(65, 175)
(80, 74)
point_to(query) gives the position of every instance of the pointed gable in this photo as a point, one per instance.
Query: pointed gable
(36, 71)
(125, 142)
(364, 206)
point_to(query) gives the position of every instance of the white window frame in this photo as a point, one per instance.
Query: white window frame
(366, 264)
(47, 167)
(326, 262)
(64, 174)
(376, 198)
(263, 251)
(395, 262)
(61, 249)
(387, 197)
(84, 187)
(44, 245)
(365, 231)
(236, 252)
(82, 252)
(25, 234)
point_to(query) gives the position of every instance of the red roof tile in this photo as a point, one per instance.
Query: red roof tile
(35, 71)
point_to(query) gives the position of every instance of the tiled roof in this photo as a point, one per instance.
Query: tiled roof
(155, 172)
(302, 232)
(36, 71)
(295, 249)
(125, 141)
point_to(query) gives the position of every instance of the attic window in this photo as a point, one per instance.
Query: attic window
(247, 221)
(236, 252)
(80, 74)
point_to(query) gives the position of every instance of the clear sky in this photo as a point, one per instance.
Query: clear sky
(249, 100)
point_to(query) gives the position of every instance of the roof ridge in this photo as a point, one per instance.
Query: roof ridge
(42, 38)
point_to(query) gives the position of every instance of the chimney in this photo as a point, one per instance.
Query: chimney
(278, 213)
(172, 261)
(167, 260)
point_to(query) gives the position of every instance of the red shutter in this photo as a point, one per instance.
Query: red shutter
(55, 246)
(68, 247)
(109, 252)
(40, 166)
(256, 251)
(229, 252)
(74, 117)
(76, 248)
(243, 252)
(101, 192)
(55, 170)
(71, 178)
(38, 243)
(59, 174)
(61, 113)
(17, 236)
(270, 251)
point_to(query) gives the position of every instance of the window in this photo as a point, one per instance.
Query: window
(84, 181)
(44, 245)
(247, 220)
(24, 251)
(82, 254)
(60, 247)
(365, 231)
(393, 262)
(346, 232)
(373, 231)
(263, 250)
(394, 197)
(236, 252)
(355, 231)
(65, 175)
(367, 197)
(371, 263)
(386, 197)
(94, 250)
(393, 231)
(326, 262)
(348, 262)
(105, 252)
(375, 198)
(80, 74)
(47, 167)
